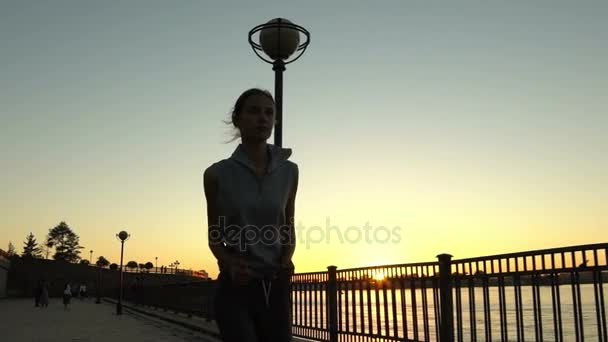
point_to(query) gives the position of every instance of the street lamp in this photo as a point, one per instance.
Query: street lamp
(122, 236)
(91, 256)
(156, 263)
(279, 39)
(174, 265)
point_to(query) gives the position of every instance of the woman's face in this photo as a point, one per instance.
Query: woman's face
(256, 119)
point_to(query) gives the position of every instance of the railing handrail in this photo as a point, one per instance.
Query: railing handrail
(473, 259)
(413, 264)
(533, 253)
(310, 273)
(156, 270)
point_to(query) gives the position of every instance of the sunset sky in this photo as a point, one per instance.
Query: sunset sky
(465, 127)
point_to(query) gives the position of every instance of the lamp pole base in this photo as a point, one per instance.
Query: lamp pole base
(119, 308)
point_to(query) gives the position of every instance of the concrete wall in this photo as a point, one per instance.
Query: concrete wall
(25, 274)
(4, 267)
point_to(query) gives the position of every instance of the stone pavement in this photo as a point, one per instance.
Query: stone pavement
(209, 329)
(90, 322)
(85, 322)
(194, 323)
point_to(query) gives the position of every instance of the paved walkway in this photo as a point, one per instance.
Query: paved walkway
(85, 322)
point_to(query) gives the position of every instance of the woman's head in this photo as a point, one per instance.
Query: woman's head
(254, 115)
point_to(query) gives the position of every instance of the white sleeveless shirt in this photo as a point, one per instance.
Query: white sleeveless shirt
(252, 209)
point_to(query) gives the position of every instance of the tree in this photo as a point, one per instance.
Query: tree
(11, 249)
(132, 264)
(31, 248)
(142, 267)
(113, 267)
(84, 262)
(102, 262)
(149, 265)
(65, 241)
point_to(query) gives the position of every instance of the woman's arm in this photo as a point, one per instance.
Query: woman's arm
(237, 266)
(210, 184)
(290, 245)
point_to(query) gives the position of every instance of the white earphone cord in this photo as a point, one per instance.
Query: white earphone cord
(267, 291)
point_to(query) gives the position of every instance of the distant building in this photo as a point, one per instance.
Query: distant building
(203, 274)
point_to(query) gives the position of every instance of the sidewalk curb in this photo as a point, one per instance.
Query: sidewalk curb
(190, 326)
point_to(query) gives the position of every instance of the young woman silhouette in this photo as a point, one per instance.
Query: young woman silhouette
(250, 212)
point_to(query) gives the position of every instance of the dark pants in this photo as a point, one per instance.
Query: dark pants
(243, 315)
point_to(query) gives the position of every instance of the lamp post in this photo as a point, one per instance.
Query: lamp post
(91, 256)
(156, 263)
(279, 39)
(122, 236)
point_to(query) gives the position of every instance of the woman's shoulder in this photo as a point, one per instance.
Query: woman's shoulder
(213, 172)
(292, 165)
(214, 169)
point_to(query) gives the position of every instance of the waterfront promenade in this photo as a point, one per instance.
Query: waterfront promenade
(86, 321)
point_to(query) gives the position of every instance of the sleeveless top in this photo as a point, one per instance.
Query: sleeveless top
(252, 209)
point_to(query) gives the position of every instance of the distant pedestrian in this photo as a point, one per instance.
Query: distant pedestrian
(44, 295)
(67, 296)
(83, 291)
(38, 293)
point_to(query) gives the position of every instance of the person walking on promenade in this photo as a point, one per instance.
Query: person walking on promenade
(44, 294)
(250, 212)
(82, 291)
(38, 292)
(67, 296)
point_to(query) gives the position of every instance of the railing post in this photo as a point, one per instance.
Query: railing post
(446, 324)
(332, 303)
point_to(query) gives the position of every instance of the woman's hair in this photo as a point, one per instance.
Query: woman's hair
(238, 107)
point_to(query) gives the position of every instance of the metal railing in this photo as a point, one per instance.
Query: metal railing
(384, 303)
(553, 294)
(161, 270)
(172, 271)
(193, 299)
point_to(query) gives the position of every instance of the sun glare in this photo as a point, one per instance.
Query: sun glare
(379, 276)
